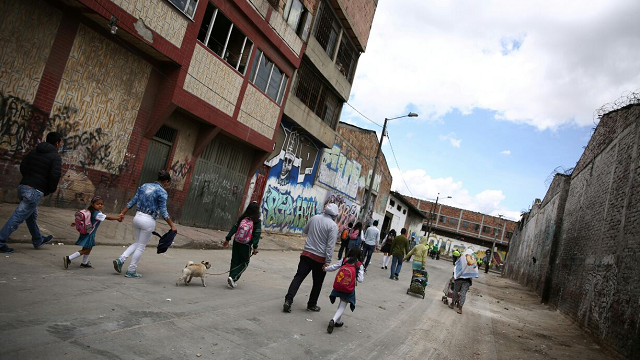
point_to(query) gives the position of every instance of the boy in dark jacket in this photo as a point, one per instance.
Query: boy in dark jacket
(399, 248)
(40, 171)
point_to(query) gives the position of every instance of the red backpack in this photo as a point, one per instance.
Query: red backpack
(245, 231)
(346, 277)
(83, 222)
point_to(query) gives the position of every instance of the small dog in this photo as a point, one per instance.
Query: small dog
(192, 269)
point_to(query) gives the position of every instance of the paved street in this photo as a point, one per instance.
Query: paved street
(48, 312)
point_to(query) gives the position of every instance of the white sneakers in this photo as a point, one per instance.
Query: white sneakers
(232, 284)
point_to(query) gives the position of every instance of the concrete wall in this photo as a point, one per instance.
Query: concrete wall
(595, 273)
(360, 17)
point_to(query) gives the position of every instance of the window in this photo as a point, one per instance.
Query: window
(317, 95)
(188, 7)
(404, 211)
(465, 224)
(327, 29)
(509, 234)
(268, 77)
(443, 219)
(346, 59)
(220, 35)
(453, 221)
(496, 232)
(476, 227)
(434, 216)
(486, 229)
(399, 207)
(298, 17)
(392, 203)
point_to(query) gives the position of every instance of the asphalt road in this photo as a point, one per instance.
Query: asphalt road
(47, 312)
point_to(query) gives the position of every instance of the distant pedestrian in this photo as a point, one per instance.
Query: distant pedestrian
(322, 233)
(412, 243)
(355, 239)
(386, 248)
(40, 170)
(344, 286)
(150, 201)
(247, 232)
(344, 240)
(455, 256)
(371, 242)
(466, 269)
(87, 238)
(487, 261)
(399, 248)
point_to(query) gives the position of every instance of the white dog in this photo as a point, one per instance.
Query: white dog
(192, 269)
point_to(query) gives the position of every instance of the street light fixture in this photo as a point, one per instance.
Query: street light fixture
(365, 212)
(433, 209)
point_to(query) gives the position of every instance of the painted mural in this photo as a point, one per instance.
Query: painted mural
(290, 199)
(340, 173)
(347, 210)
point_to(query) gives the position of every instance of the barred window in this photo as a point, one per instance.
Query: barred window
(327, 29)
(346, 59)
(317, 96)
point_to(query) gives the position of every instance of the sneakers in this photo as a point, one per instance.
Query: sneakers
(330, 327)
(386, 267)
(340, 324)
(117, 265)
(287, 306)
(315, 308)
(130, 274)
(45, 240)
(232, 284)
(87, 265)
(66, 262)
(396, 277)
(6, 250)
(382, 267)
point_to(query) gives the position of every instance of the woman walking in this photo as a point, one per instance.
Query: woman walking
(386, 249)
(150, 201)
(247, 232)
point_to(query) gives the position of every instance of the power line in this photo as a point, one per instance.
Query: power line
(361, 114)
(398, 165)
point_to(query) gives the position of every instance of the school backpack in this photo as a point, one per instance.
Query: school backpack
(83, 222)
(346, 277)
(345, 235)
(245, 231)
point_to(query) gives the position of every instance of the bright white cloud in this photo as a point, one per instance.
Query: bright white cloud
(451, 138)
(423, 186)
(545, 63)
(506, 152)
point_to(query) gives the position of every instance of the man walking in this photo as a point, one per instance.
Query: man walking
(371, 241)
(40, 171)
(322, 233)
(399, 248)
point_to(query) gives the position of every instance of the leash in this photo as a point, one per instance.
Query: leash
(230, 270)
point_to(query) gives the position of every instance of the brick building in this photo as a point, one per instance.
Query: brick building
(578, 247)
(198, 87)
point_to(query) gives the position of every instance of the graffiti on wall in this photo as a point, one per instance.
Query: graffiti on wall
(339, 172)
(21, 126)
(347, 210)
(293, 162)
(598, 295)
(281, 210)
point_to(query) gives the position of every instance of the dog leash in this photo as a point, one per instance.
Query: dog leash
(230, 270)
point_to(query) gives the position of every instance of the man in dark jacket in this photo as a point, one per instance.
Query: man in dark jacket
(399, 248)
(40, 171)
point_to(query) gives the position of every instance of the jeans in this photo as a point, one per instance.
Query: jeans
(343, 247)
(143, 226)
(26, 211)
(306, 266)
(396, 266)
(368, 251)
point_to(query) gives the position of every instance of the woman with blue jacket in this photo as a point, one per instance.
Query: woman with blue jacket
(150, 201)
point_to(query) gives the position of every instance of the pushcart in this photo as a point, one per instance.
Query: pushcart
(419, 282)
(448, 292)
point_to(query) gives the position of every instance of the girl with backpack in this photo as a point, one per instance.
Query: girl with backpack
(344, 241)
(87, 222)
(349, 269)
(247, 232)
(354, 236)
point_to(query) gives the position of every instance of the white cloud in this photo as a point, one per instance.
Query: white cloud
(545, 63)
(423, 186)
(451, 137)
(506, 152)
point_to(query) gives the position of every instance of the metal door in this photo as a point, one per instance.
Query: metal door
(261, 182)
(157, 154)
(217, 184)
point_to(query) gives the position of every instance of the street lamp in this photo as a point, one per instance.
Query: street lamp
(433, 209)
(365, 213)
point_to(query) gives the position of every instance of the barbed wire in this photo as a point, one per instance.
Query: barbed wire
(558, 170)
(626, 99)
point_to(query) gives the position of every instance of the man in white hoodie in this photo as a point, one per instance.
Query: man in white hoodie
(322, 233)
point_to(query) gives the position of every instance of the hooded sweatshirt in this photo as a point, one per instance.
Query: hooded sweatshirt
(322, 233)
(41, 168)
(419, 252)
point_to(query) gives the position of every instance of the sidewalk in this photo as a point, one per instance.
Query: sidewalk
(56, 222)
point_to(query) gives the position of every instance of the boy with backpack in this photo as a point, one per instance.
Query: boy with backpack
(350, 270)
(344, 240)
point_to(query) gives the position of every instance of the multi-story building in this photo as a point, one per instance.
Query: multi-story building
(198, 87)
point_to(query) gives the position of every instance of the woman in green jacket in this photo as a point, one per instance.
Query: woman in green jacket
(420, 253)
(241, 249)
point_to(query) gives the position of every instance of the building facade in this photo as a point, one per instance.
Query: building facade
(197, 87)
(401, 213)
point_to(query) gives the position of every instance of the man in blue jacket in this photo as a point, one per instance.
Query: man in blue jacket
(40, 170)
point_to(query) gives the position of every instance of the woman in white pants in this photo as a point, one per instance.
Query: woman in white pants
(150, 201)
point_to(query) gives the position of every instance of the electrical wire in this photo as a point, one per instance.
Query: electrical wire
(398, 165)
(363, 115)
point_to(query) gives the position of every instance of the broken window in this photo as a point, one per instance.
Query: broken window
(188, 7)
(317, 95)
(220, 35)
(327, 29)
(298, 17)
(346, 59)
(266, 76)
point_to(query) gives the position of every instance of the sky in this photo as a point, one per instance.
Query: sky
(505, 91)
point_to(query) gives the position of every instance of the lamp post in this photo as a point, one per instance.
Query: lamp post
(365, 212)
(433, 209)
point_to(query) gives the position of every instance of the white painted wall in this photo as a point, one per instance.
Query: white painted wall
(398, 220)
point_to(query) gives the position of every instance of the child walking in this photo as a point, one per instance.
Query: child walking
(88, 241)
(247, 232)
(344, 286)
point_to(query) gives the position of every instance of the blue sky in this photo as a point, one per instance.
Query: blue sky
(505, 91)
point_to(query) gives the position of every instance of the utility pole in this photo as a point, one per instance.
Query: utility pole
(434, 209)
(495, 237)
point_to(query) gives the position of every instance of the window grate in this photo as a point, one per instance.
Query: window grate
(166, 134)
(317, 96)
